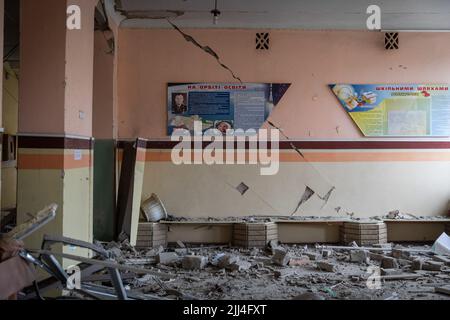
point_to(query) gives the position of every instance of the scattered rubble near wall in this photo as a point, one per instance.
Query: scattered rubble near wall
(381, 272)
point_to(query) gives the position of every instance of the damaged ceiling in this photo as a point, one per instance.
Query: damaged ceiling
(290, 14)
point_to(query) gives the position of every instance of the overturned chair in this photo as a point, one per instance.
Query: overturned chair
(19, 274)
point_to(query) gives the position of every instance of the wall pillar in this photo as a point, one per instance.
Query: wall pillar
(2, 22)
(55, 118)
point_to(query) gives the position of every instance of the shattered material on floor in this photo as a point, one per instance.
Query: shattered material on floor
(383, 272)
(349, 217)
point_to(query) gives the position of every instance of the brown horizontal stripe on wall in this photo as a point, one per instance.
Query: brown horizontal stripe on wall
(39, 142)
(357, 156)
(315, 145)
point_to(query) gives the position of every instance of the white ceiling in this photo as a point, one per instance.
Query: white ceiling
(293, 14)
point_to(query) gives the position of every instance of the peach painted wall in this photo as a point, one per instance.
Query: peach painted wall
(56, 68)
(79, 72)
(2, 19)
(103, 99)
(149, 59)
(42, 51)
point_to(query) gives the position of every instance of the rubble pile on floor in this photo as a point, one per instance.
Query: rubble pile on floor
(383, 272)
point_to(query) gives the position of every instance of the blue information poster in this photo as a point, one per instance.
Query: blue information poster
(221, 105)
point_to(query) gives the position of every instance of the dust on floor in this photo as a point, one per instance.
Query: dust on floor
(286, 272)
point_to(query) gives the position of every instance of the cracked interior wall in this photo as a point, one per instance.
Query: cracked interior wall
(367, 182)
(148, 59)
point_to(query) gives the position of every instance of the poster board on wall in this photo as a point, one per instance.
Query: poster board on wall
(221, 105)
(386, 110)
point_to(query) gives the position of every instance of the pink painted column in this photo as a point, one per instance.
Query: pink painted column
(55, 116)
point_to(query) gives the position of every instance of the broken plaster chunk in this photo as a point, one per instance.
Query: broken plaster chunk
(115, 252)
(376, 256)
(417, 264)
(308, 296)
(444, 259)
(194, 262)
(280, 257)
(389, 263)
(312, 255)
(400, 253)
(223, 260)
(391, 272)
(271, 246)
(282, 273)
(404, 262)
(167, 258)
(299, 261)
(181, 251)
(327, 253)
(433, 266)
(239, 265)
(326, 266)
(359, 256)
(353, 244)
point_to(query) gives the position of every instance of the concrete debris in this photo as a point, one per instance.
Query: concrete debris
(239, 265)
(376, 256)
(167, 258)
(223, 260)
(390, 272)
(194, 262)
(180, 244)
(326, 266)
(308, 296)
(433, 266)
(359, 256)
(155, 251)
(115, 253)
(280, 257)
(417, 264)
(327, 253)
(442, 245)
(285, 271)
(271, 246)
(181, 251)
(404, 262)
(444, 259)
(282, 273)
(444, 290)
(387, 246)
(312, 255)
(397, 215)
(353, 244)
(299, 261)
(401, 254)
(389, 263)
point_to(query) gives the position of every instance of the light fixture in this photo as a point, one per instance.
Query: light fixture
(216, 13)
